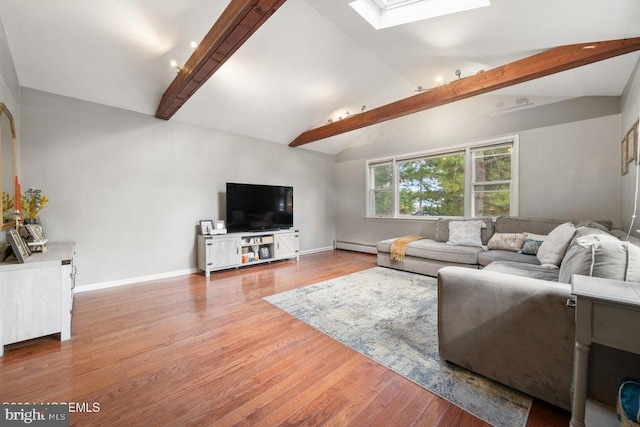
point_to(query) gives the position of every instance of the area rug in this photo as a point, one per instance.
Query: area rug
(390, 316)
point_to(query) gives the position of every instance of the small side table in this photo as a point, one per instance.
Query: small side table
(607, 313)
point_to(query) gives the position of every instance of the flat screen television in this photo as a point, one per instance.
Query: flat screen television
(253, 207)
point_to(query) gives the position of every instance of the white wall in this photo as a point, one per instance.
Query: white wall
(9, 86)
(129, 189)
(630, 110)
(568, 167)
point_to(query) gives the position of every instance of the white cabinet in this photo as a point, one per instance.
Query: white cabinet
(218, 252)
(36, 297)
(233, 250)
(286, 245)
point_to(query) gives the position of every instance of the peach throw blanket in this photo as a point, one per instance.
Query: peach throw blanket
(399, 245)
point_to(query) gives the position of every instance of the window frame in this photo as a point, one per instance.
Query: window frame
(469, 177)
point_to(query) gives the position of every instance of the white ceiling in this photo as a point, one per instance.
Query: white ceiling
(311, 61)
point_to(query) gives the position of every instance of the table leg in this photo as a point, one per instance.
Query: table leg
(580, 370)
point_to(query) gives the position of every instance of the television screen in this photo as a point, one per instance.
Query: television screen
(252, 207)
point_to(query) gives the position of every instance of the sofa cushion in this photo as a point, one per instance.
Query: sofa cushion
(437, 251)
(556, 244)
(507, 241)
(442, 228)
(616, 260)
(486, 258)
(465, 233)
(521, 224)
(524, 270)
(601, 255)
(576, 261)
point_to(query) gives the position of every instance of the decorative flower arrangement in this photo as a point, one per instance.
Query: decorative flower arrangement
(33, 201)
(7, 206)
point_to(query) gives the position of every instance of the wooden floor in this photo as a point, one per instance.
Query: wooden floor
(198, 351)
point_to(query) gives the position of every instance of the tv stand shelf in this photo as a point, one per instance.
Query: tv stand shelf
(235, 250)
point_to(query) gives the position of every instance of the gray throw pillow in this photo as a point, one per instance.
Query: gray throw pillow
(616, 260)
(601, 256)
(555, 245)
(579, 256)
(442, 228)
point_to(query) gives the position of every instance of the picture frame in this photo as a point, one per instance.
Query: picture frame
(264, 252)
(624, 157)
(35, 231)
(19, 248)
(634, 138)
(219, 224)
(206, 226)
(632, 145)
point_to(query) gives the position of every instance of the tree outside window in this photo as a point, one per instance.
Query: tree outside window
(477, 180)
(432, 186)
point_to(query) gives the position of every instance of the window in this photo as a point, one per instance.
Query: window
(389, 13)
(473, 180)
(388, 4)
(432, 185)
(382, 189)
(491, 181)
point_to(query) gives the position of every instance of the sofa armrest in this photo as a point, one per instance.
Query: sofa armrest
(516, 330)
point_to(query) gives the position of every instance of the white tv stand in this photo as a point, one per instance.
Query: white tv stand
(235, 250)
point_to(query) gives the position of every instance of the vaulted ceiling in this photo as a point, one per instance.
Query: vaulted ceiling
(313, 60)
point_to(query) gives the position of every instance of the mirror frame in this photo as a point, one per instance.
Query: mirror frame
(4, 110)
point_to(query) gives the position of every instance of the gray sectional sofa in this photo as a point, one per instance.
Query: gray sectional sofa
(505, 316)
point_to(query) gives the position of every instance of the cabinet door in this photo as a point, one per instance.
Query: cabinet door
(286, 245)
(223, 252)
(30, 303)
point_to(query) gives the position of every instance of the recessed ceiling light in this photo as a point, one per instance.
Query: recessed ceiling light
(389, 13)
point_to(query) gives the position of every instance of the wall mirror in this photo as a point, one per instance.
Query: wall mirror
(7, 166)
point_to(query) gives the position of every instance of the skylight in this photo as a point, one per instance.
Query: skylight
(389, 13)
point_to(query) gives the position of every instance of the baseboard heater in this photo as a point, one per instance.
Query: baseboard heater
(357, 247)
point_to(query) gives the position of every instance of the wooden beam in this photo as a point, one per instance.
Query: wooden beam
(237, 23)
(543, 64)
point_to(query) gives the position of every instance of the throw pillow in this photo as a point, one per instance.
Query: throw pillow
(579, 258)
(442, 228)
(532, 243)
(555, 245)
(465, 233)
(530, 246)
(616, 260)
(507, 241)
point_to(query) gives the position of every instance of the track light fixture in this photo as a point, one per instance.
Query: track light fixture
(347, 113)
(175, 65)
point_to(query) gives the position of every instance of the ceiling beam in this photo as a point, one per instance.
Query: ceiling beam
(237, 23)
(533, 67)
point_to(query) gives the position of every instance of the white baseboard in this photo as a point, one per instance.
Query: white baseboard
(131, 281)
(358, 247)
(167, 275)
(315, 251)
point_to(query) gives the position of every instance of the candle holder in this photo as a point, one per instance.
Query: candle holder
(17, 216)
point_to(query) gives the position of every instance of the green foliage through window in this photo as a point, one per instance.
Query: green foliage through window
(432, 186)
(435, 185)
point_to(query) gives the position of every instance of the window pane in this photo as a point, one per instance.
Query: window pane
(492, 200)
(432, 186)
(382, 176)
(382, 203)
(492, 164)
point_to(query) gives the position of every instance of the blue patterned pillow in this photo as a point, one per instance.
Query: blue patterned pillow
(531, 246)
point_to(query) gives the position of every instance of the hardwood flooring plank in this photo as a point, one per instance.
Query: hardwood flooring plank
(192, 350)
